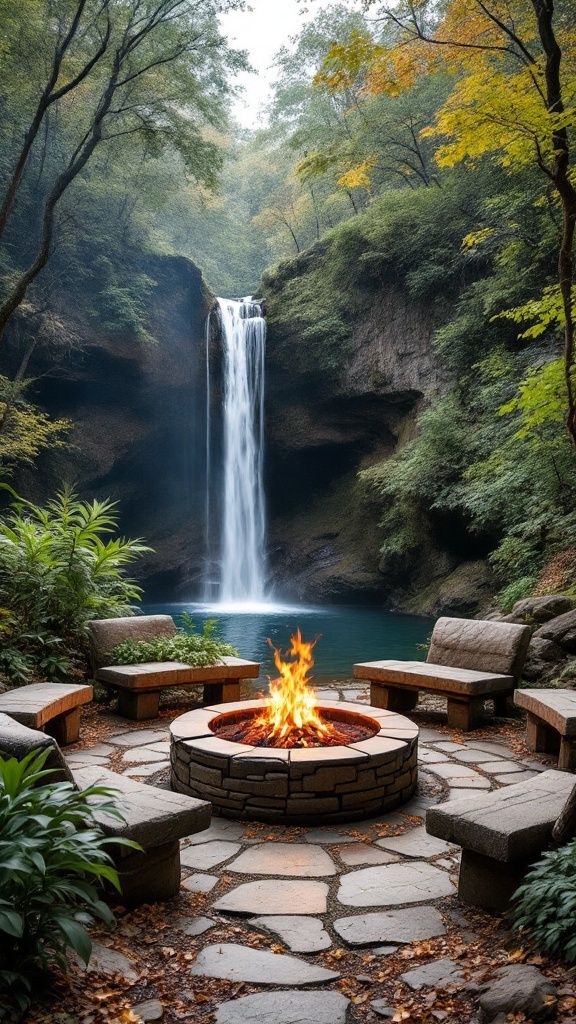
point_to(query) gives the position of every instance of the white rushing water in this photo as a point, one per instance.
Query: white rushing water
(242, 546)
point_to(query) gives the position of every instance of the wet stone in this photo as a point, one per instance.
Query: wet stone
(207, 855)
(257, 966)
(285, 1008)
(394, 926)
(300, 934)
(296, 859)
(393, 884)
(275, 896)
(437, 974)
(415, 843)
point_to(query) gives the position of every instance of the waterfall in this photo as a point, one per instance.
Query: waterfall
(243, 523)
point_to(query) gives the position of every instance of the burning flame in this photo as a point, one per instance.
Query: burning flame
(291, 718)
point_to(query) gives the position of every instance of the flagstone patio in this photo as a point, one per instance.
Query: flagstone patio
(312, 894)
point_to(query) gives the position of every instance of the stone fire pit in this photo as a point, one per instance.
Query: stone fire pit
(301, 785)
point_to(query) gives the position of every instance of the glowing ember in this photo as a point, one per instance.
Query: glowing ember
(291, 717)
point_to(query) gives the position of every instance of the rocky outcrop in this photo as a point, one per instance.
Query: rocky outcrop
(138, 409)
(325, 425)
(553, 642)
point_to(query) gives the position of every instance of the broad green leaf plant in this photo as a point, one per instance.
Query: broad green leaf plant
(53, 859)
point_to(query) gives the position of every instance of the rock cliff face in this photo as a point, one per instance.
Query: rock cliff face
(138, 410)
(324, 530)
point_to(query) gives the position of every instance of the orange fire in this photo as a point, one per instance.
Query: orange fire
(291, 718)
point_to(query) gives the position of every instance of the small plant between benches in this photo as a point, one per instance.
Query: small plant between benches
(140, 682)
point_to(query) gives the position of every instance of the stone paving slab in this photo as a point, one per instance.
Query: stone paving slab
(394, 884)
(267, 896)
(416, 843)
(145, 770)
(509, 780)
(322, 835)
(359, 854)
(437, 974)
(194, 925)
(285, 1008)
(394, 926)
(298, 860)
(501, 767)
(301, 934)
(258, 966)
(138, 755)
(220, 828)
(200, 883)
(208, 855)
(138, 736)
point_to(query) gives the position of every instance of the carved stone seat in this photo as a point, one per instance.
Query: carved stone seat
(155, 818)
(53, 707)
(139, 686)
(469, 661)
(551, 723)
(502, 833)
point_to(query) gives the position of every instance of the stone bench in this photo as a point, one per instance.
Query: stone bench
(551, 723)
(52, 707)
(501, 833)
(155, 818)
(139, 686)
(469, 661)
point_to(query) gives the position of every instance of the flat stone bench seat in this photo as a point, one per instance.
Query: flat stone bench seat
(551, 723)
(140, 685)
(53, 707)
(501, 833)
(155, 818)
(469, 661)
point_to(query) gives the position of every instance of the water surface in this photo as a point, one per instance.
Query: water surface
(346, 634)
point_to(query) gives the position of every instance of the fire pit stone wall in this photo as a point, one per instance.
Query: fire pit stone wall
(297, 785)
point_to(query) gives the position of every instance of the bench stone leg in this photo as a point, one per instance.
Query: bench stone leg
(464, 715)
(222, 693)
(138, 706)
(65, 728)
(392, 698)
(567, 755)
(150, 876)
(540, 737)
(489, 883)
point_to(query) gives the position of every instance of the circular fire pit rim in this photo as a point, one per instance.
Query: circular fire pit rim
(298, 785)
(394, 727)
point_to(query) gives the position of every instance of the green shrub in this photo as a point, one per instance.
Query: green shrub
(52, 851)
(60, 566)
(188, 646)
(545, 904)
(515, 591)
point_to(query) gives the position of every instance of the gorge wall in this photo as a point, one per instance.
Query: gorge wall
(138, 409)
(331, 414)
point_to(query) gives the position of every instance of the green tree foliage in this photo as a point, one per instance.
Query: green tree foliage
(53, 856)
(60, 566)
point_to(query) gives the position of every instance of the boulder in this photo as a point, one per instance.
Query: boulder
(517, 988)
(561, 630)
(542, 609)
(542, 660)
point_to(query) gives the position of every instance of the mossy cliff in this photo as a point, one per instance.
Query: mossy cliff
(138, 409)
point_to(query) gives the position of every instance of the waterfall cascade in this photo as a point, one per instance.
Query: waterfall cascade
(243, 521)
